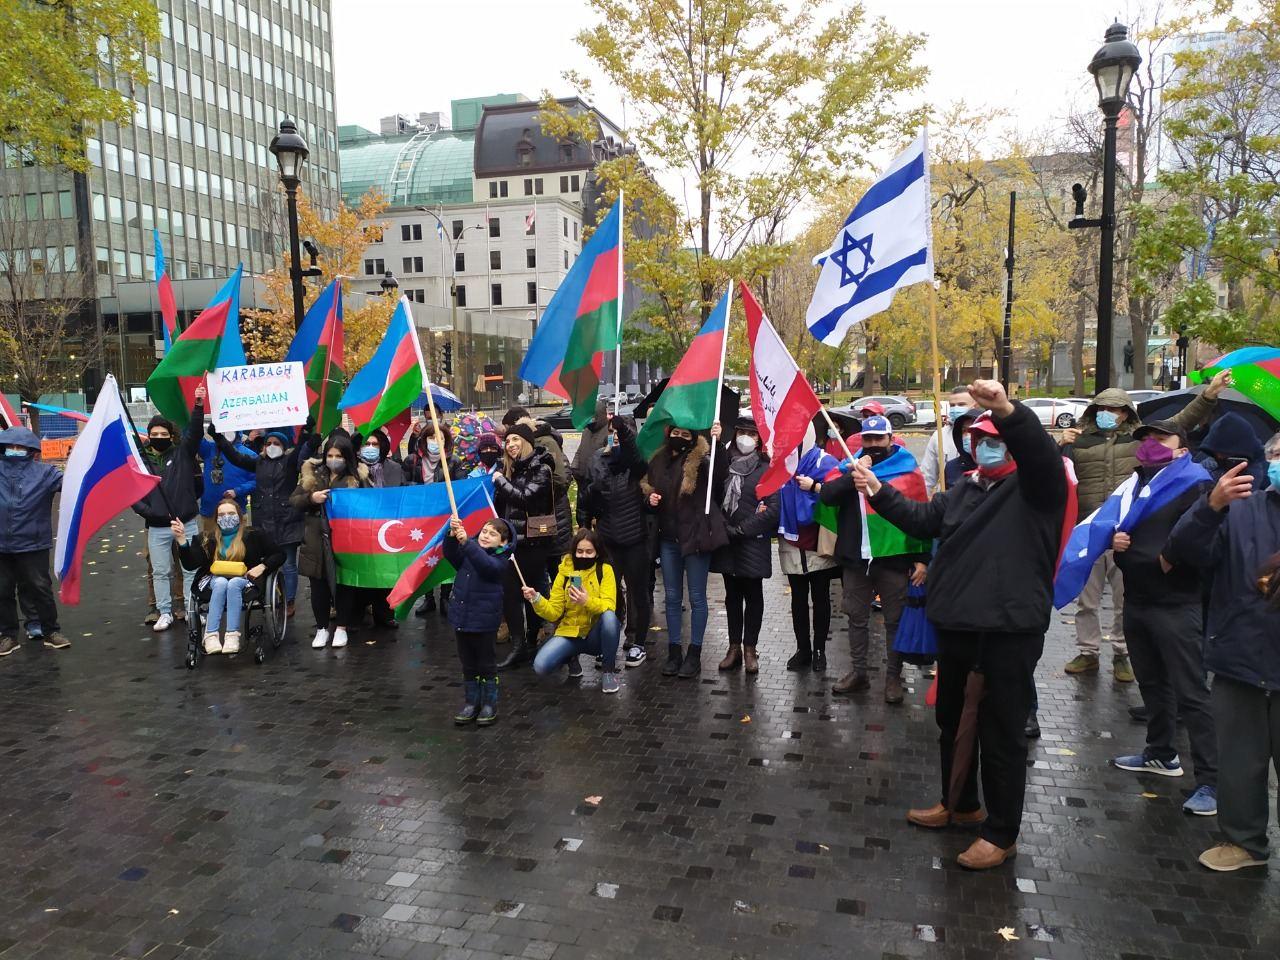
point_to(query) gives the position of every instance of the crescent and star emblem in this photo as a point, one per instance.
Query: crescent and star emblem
(382, 536)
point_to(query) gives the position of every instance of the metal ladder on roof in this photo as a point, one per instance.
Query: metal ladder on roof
(402, 170)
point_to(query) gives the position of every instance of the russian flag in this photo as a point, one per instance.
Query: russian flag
(105, 475)
(392, 379)
(164, 286)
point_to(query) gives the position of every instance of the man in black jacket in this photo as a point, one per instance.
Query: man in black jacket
(1163, 627)
(999, 536)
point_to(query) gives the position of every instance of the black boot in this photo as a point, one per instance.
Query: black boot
(800, 659)
(820, 660)
(1032, 729)
(674, 659)
(692, 666)
(519, 654)
(488, 701)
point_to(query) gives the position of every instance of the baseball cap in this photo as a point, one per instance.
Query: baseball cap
(875, 406)
(1160, 426)
(984, 424)
(876, 425)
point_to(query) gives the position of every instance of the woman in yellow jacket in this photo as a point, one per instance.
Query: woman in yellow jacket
(582, 604)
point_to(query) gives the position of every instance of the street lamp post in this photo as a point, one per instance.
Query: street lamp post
(1112, 67)
(389, 284)
(291, 155)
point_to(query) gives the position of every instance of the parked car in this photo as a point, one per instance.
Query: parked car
(899, 410)
(561, 418)
(1140, 396)
(924, 413)
(1057, 411)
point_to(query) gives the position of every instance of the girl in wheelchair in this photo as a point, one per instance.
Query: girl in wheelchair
(226, 563)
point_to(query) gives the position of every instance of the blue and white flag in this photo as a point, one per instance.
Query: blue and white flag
(884, 245)
(1121, 511)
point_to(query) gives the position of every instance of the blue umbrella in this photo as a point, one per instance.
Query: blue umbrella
(444, 400)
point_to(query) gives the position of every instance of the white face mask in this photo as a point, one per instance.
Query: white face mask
(273, 452)
(746, 443)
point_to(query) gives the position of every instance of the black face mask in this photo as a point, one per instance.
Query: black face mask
(583, 563)
(679, 445)
(877, 454)
(488, 457)
(160, 444)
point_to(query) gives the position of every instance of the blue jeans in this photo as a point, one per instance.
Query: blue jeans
(694, 569)
(226, 598)
(290, 571)
(602, 641)
(160, 546)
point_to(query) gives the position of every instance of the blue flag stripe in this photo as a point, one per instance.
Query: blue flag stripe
(875, 284)
(890, 188)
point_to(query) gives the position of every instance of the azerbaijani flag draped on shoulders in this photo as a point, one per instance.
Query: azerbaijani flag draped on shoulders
(391, 380)
(318, 346)
(689, 399)
(164, 289)
(582, 321)
(105, 475)
(212, 341)
(1255, 372)
(880, 538)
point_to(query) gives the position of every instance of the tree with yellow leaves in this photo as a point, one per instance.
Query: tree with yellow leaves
(342, 242)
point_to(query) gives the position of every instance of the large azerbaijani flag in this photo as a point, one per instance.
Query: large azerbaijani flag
(164, 289)
(689, 399)
(212, 341)
(582, 321)
(880, 538)
(392, 379)
(1255, 372)
(318, 346)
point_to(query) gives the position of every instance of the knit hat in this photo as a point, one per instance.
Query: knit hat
(514, 415)
(521, 430)
(280, 435)
(746, 423)
(488, 441)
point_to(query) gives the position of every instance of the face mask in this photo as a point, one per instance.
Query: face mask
(227, 522)
(16, 453)
(161, 444)
(273, 452)
(370, 454)
(991, 454)
(583, 563)
(336, 464)
(488, 457)
(1151, 452)
(966, 442)
(679, 444)
(833, 435)
(433, 448)
(746, 443)
(1273, 473)
(1106, 420)
(877, 454)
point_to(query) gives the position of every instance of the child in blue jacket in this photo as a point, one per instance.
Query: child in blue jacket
(475, 610)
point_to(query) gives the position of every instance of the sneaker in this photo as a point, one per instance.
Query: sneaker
(1203, 803)
(609, 682)
(340, 637)
(800, 660)
(1227, 856)
(1122, 670)
(322, 638)
(232, 642)
(1144, 764)
(163, 623)
(211, 642)
(575, 667)
(56, 641)
(7, 646)
(1082, 663)
(636, 656)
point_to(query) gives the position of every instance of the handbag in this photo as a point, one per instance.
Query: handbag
(228, 568)
(543, 525)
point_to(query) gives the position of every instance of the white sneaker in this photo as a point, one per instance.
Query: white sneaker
(322, 637)
(232, 643)
(340, 637)
(164, 623)
(212, 644)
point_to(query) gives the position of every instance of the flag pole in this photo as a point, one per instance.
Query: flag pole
(724, 347)
(937, 385)
(431, 406)
(617, 350)
(514, 563)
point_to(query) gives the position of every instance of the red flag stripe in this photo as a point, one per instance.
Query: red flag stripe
(602, 284)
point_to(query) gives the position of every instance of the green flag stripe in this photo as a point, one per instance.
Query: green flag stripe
(380, 570)
(443, 573)
(691, 405)
(396, 399)
(186, 358)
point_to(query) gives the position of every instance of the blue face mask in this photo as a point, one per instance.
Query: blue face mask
(16, 453)
(991, 454)
(967, 443)
(1106, 420)
(1273, 473)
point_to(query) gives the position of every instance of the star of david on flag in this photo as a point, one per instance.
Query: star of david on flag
(884, 244)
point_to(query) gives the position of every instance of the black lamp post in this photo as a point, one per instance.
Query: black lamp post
(389, 284)
(1112, 67)
(291, 155)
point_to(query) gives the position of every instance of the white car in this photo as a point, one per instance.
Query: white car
(1056, 411)
(924, 413)
(1141, 396)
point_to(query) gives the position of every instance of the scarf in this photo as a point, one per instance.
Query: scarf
(428, 463)
(226, 543)
(797, 506)
(739, 469)
(375, 473)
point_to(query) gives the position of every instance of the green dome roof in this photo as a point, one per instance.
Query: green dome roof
(424, 169)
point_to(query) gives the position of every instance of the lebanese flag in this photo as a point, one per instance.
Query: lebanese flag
(782, 402)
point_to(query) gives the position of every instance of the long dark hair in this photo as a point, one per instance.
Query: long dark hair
(344, 446)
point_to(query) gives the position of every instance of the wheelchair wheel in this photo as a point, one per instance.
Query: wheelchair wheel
(276, 608)
(191, 661)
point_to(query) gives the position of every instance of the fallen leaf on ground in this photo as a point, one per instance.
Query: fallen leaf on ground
(594, 801)
(1150, 796)
(746, 719)
(1008, 934)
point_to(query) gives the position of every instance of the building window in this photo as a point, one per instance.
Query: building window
(457, 229)
(497, 188)
(531, 258)
(575, 184)
(417, 296)
(564, 184)
(495, 259)
(459, 262)
(410, 231)
(411, 265)
(495, 294)
(532, 186)
(575, 230)
(460, 295)
(104, 261)
(566, 259)
(566, 153)
(495, 227)
(373, 268)
(537, 186)
(531, 290)
(565, 225)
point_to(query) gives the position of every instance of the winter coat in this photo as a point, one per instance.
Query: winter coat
(749, 552)
(198, 553)
(273, 513)
(1230, 435)
(1144, 579)
(571, 619)
(27, 489)
(221, 475)
(527, 492)
(612, 496)
(841, 492)
(179, 476)
(998, 542)
(1242, 636)
(682, 482)
(315, 553)
(551, 444)
(475, 603)
(1104, 458)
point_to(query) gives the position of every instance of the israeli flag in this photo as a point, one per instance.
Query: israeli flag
(884, 245)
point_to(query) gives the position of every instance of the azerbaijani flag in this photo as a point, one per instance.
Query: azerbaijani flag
(880, 538)
(392, 379)
(318, 347)
(212, 341)
(429, 569)
(582, 321)
(8, 415)
(689, 399)
(164, 287)
(1255, 372)
(105, 475)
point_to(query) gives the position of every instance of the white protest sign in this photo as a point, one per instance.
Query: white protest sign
(259, 395)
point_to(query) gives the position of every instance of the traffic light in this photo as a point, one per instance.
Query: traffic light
(447, 365)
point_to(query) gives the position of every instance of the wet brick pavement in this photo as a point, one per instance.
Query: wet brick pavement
(323, 805)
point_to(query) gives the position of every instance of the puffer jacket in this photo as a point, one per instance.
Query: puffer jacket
(27, 489)
(273, 513)
(179, 476)
(749, 552)
(551, 444)
(315, 553)
(475, 603)
(527, 492)
(571, 619)
(1104, 458)
(682, 481)
(612, 497)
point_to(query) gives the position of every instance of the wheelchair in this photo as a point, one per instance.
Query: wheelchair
(266, 617)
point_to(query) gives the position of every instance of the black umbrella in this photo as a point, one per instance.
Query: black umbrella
(729, 402)
(1166, 405)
